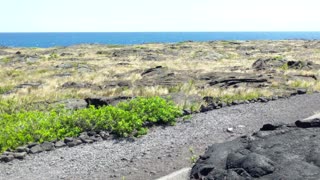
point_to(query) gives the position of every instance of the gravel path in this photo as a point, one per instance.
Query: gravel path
(163, 150)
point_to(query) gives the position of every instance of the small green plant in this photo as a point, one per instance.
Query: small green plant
(195, 107)
(278, 58)
(187, 117)
(284, 67)
(193, 157)
(53, 56)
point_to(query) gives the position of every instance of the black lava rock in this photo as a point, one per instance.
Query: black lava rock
(75, 142)
(35, 149)
(47, 146)
(271, 127)
(20, 155)
(6, 158)
(266, 154)
(308, 123)
(31, 145)
(91, 133)
(22, 149)
(85, 138)
(104, 135)
(262, 99)
(68, 139)
(301, 91)
(186, 112)
(235, 102)
(59, 144)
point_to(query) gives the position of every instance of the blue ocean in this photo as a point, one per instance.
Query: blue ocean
(67, 39)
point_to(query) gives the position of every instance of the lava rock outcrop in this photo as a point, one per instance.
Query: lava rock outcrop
(281, 151)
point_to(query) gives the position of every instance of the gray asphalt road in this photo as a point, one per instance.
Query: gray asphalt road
(163, 150)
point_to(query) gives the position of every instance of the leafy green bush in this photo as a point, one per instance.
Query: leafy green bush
(20, 128)
(152, 109)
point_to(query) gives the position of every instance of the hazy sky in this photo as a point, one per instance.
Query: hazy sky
(158, 15)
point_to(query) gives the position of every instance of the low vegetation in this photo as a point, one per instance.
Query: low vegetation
(33, 79)
(5, 89)
(125, 119)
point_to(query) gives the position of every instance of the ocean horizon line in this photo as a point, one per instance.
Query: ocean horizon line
(164, 32)
(52, 39)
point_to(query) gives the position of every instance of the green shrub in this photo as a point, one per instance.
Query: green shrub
(128, 118)
(154, 109)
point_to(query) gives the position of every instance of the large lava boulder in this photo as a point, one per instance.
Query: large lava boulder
(275, 152)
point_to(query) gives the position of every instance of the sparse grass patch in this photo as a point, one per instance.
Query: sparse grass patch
(53, 56)
(237, 94)
(240, 96)
(194, 107)
(146, 91)
(300, 84)
(4, 89)
(14, 73)
(6, 59)
(140, 47)
(309, 85)
(278, 58)
(42, 71)
(284, 67)
(115, 46)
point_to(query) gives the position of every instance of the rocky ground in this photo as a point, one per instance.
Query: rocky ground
(164, 149)
(186, 71)
(277, 151)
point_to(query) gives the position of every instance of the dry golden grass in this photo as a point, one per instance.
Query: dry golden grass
(220, 56)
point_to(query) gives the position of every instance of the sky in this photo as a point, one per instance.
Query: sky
(158, 15)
